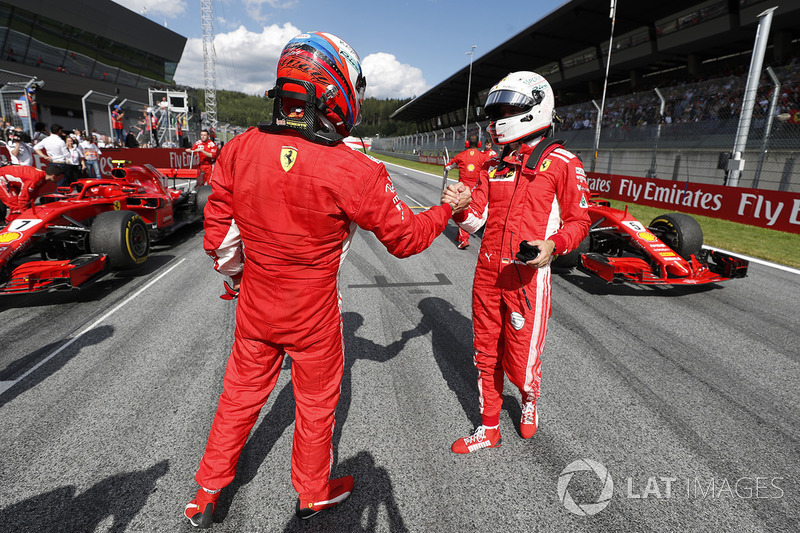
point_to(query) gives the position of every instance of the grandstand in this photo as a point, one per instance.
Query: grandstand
(67, 49)
(696, 54)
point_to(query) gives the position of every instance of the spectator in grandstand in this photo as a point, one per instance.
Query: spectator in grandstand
(291, 193)
(76, 161)
(130, 140)
(91, 154)
(533, 195)
(206, 150)
(117, 116)
(19, 147)
(53, 148)
(469, 164)
(104, 142)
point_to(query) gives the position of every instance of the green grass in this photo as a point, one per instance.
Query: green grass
(776, 246)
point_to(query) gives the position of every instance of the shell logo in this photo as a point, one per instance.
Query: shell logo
(646, 236)
(470, 167)
(9, 237)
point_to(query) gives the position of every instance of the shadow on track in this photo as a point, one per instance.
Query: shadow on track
(281, 416)
(18, 368)
(451, 343)
(121, 496)
(599, 287)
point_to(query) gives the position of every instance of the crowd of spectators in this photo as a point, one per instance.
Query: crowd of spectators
(77, 151)
(689, 101)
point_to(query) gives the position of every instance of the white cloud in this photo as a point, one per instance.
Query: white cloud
(171, 8)
(253, 7)
(246, 61)
(388, 78)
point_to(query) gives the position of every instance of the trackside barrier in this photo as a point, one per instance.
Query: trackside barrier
(754, 207)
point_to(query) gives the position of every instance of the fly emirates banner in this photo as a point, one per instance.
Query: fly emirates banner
(755, 207)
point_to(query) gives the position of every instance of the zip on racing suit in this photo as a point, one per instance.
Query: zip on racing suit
(291, 206)
(469, 164)
(511, 300)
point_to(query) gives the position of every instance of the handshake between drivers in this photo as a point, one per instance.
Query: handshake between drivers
(458, 196)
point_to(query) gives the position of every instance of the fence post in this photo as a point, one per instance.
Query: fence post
(652, 172)
(736, 163)
(768, 128)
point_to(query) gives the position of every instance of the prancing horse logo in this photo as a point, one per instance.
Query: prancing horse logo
(288, 157)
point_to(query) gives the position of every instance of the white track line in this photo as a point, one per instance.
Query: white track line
(5, 385)
(755, 260)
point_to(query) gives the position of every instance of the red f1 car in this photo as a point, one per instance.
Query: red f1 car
(669, 251)
(94, 225)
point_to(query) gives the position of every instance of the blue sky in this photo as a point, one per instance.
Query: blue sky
(405, 47)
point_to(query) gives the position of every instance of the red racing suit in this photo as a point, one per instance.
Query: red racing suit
(291, 206)
(469, 164)
(20, 185)
(206, 163)
(511, 300)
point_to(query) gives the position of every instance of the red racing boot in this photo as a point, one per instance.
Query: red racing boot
(337, 491)
(482, 437)
(200, 511)
(530, 420)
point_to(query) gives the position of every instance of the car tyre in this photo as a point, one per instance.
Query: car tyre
(680, 232)
(201, 197)
(122, 236)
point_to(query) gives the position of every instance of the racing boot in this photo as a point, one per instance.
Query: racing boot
(482, 437)
(200, 511)
(530, 420)
(337, 491)
(463, 244)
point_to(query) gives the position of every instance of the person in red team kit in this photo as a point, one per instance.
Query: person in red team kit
(207, 152)
(532, 195)
(288, 196)
(469, 164)
(21, 185)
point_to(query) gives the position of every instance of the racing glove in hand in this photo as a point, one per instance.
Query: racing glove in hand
(231, 291)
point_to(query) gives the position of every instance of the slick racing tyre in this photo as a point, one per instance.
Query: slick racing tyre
(201, 197)
(680, 232)
(122, 236)
(573, 258)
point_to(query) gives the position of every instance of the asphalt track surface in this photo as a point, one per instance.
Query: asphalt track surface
(685, 397)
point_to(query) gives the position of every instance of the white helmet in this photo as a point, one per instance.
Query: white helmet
(529, 98)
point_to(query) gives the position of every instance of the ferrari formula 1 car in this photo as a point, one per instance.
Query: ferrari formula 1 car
(79, 232)
(669, 251)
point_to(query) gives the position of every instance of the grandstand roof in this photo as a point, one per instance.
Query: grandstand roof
(569, 47)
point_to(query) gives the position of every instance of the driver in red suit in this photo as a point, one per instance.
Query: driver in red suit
(288, 195)
(535, 191)
(469, 164)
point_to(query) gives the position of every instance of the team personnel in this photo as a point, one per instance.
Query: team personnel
(21, 185)
(207, 153)
(290, 194)
(117, 117)
(469, 164)
(488, 150)
(535, 192)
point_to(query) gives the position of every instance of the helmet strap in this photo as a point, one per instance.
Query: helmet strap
(306, 123)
